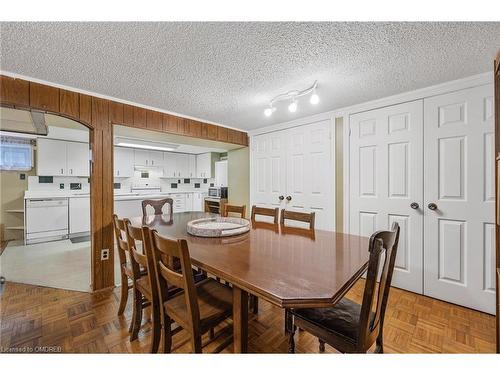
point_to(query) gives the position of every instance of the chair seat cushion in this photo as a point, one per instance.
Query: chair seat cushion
(215, 302)
(341, 319)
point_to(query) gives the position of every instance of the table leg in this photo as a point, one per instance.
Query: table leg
(240, 320)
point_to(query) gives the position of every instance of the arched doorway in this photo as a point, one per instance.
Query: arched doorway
(45, 200)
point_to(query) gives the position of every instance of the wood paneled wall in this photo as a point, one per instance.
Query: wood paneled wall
(497, 170)
(99, 115)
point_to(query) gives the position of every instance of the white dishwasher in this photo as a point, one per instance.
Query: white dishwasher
(46, 219)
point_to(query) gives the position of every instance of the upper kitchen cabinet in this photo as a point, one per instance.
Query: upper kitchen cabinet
(147, 158)
(205, 164)
(51, 157)
(123, 164)
(62, 158)
(77, 159)
(191, 166)
(176, 165)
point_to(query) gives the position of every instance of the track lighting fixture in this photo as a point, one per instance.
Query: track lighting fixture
(293, 95)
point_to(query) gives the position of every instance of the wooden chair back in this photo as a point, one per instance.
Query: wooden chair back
(157, 205)
(121, 239)
(303, 217)
(165, 250)
(229, 208)
(382, 244)
(271, 212)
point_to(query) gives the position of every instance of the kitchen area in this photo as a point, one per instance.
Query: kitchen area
(49, 242)
(194, 177)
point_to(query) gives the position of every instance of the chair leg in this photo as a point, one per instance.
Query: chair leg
(167, 334)
(291, 340)
(379, 348)
(321, 346)
(255, 305)
(288, 321)
(156, 331)
(196, 344)
(136, 323)
(123, 295)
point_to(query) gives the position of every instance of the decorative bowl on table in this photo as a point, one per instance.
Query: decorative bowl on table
(218, 226)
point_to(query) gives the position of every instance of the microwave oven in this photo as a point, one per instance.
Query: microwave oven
(217, 192)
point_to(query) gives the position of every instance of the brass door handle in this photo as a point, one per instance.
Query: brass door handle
(281, 197)
(432, 206)
(414, 205)
(288, 198)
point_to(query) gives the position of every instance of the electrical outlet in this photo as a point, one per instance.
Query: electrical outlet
(104, 254)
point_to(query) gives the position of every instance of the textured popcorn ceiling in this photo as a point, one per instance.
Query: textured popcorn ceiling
(227, 72)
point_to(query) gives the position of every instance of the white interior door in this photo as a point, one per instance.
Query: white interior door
(459, 179)
(386, 178)
(268, 169)
(309, 172)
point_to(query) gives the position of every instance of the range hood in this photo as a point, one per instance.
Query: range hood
(26, 122)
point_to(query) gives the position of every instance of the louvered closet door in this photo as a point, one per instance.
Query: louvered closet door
(386, 172)
(459, 179)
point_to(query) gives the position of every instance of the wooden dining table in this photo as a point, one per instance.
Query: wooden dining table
(288, 268)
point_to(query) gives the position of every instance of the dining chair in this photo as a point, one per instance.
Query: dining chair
(261, 211)
(302, 217)
(157, 205)
(232, 209)
(142, 276)
(125, 266)
(198, 308)
(347, 326)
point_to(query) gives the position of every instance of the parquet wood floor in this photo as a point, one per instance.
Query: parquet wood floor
(79, 322)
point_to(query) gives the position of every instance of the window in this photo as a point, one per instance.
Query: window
(16, 154)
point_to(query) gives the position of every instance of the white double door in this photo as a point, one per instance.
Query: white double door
(293, 169)
(429, 165)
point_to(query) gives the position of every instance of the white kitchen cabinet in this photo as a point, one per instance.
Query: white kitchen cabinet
(179, 165)
(78, 163)
(62, 158)
(146, 158)
(141, 157)
(183, 165)
(198, 202)
(156, 158)
(123, 163)
(179, 202)
(192, 166)
(205, 165)
(79, 215)
(189, 202)
(221, 173)
(50, 157)
(169, 162)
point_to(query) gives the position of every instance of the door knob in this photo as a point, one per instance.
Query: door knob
(432, 206)
(281, 197)
(288, 198)
(414, 205)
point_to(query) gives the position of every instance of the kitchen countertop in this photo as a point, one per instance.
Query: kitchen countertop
(117, 196)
